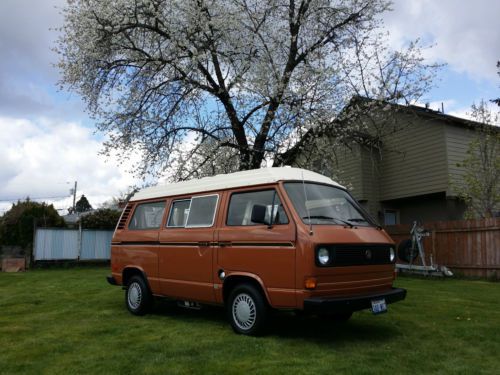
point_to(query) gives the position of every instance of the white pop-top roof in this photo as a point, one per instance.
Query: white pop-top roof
(232, 180)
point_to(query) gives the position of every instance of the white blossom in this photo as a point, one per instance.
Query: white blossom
(248, 80)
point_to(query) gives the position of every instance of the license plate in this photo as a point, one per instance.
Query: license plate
(379, 306)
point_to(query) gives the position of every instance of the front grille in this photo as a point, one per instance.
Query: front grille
(356, 255)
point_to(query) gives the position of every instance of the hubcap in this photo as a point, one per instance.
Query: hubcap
(134, 295)
(244, 311)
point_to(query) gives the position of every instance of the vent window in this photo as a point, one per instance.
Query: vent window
(124, 217)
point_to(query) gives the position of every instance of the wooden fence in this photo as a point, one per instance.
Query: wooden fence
(469, 247)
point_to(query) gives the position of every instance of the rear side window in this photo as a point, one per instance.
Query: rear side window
(241, 205)
(147, 216)
(197, 212)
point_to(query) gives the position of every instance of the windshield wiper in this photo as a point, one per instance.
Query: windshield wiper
(322, 217)
(359, 220)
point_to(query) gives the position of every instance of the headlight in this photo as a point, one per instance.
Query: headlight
(392, 254)
(323, 256)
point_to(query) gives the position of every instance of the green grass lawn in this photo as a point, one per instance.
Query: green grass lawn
(63, 321)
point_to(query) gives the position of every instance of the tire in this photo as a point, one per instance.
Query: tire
(138, 298)
(247, 310)
(405, 252)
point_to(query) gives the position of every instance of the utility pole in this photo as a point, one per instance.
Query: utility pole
(74, 197)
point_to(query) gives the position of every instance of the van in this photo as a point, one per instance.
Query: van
(272, 238)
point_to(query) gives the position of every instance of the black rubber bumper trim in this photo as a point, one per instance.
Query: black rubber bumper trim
(347, 304)
(111, 280)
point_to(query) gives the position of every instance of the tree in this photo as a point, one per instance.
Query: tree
(481, 187)
(83, 205)
(254, 80)
(103, 218)
(16, 225)
(117, 203)
(497, 100)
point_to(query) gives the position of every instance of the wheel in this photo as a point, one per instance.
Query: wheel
(138, 297)
(247, 310)
(405, 251)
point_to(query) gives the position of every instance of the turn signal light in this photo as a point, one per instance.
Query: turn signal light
(311, 283)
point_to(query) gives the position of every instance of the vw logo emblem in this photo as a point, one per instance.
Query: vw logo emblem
(368, 254)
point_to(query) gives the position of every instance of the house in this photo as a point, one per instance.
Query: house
(412, 172)
(72, 220)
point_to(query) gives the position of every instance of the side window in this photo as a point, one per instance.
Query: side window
(147, 216)
(241, 205)
(179, 213)
(194, 212)
(202, 212)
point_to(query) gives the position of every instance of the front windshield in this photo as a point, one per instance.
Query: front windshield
(324, 204)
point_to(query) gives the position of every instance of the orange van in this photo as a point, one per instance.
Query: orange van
(272, 238)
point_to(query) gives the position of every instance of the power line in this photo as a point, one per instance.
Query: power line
(32, 198)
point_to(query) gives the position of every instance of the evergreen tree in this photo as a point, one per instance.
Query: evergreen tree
(83, 205)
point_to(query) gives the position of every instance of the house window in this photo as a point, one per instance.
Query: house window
(391, 217)
(196, 212)
(147, 216)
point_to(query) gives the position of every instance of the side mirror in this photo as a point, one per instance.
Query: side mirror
(259, 214)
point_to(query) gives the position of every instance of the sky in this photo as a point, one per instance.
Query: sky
(48, 141)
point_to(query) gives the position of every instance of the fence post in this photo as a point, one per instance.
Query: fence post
(79, 240)
(433, 242)
(33, 249)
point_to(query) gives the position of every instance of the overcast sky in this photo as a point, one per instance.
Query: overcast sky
(48, 142)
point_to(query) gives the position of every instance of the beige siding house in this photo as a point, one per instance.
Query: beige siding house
(412, 175)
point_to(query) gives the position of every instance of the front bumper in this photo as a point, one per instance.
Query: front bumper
(349, 304)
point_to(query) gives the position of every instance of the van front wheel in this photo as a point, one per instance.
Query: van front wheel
(137, 296)
(247, 310)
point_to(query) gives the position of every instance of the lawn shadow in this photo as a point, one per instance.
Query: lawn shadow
(288, 325)
(166, 307)
(328, 331)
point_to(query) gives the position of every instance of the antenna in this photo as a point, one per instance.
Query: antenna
(305, 204)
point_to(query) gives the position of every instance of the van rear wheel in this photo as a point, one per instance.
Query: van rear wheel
(247, 310)
(138, 297)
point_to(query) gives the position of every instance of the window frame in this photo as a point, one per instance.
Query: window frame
(250, 190)
(393, 211)
(137, 205)
(190, 199)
